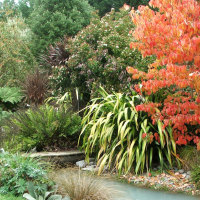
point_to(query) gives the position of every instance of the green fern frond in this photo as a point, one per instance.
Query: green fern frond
(10, 94)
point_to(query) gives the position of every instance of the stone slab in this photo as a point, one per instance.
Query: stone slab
(59, 157)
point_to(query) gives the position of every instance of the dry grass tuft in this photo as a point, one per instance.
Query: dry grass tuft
(79, 186)
(190, 156)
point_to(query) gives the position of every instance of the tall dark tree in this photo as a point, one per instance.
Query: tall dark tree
(25, 7)
(50, 20)
(104, 6)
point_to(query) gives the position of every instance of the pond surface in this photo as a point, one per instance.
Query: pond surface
(134, 193)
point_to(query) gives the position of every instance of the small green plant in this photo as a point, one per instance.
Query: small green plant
(4, 114)
(122, 137)
(44, 127)
(9, 98)
(32, 195)
(17, 170)
(11, 95)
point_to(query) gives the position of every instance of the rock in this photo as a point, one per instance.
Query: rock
(65, 157)
(81, 164)
(181, 171)
(91, 168)
(189, 173)
(33, 150)
(92, 159)
(187, 177)
(66, 198)
(184, 175)
(175, 169)
(2, 150)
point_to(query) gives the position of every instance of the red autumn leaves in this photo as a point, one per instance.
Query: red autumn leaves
(173, 35)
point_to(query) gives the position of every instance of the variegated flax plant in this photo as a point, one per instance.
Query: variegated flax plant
(122, 138)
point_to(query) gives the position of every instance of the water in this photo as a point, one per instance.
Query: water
(135, 193)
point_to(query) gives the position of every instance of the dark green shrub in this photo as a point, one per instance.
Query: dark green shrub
(98, 55)
(50, 20)
(17, 170)
(122, 137)
(45, 127)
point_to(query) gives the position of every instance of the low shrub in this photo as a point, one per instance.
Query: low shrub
(44, 127)
(17, 170)
(33, 195)
(79, 186)
(123, 137)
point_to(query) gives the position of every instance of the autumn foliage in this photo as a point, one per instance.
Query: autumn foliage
(172, 83)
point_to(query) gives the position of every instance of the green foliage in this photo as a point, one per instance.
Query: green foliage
(9, 97)
(99, 55)
(7, 8)
(10, 197)
(104, 6)
(195, 176)
(32, 195)
(25, 7)
(122, 137)
(4, 114)
(17, 170)
(16, 59)
(44, 127)
(50, 20)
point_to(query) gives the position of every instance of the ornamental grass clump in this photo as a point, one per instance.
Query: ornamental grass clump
(79, 186)
(123, 138)
(36, 87)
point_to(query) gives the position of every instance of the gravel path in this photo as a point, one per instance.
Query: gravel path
(172, 180)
